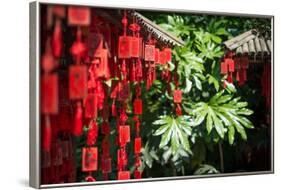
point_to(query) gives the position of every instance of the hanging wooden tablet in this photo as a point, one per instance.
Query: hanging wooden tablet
(124, 47)
(162, 57)
(49, 94)
(77, 82)
(47, 135)
(78, 122)
(123, 175)
(124, 134)
(138, 106)
(230, 63)
(157, 56)
(57, 39)
(123, 91)
(102, 69)
(59, 11)
(79, 16)
(168, 54)
(135, 47)
(89, 159)
(137, 145)
(177, 96)
(91, 104)
(224, 69)
(149, 54)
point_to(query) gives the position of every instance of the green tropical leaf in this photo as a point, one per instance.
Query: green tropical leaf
(174, 132)
(225, 114)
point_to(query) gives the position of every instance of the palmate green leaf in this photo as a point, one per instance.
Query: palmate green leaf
(224, 114)
(174, 132)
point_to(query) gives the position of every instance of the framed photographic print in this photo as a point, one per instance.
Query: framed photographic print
(128, 94)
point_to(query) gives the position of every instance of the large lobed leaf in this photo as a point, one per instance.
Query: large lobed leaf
(224, 114)
(174, 132)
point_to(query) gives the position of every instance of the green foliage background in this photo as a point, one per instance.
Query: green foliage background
(221, 129)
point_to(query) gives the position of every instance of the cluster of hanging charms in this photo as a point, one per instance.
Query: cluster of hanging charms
(81, 89)
(57, 154)
(133, 59)
(136, 76)
(123, 93)
(235, 65)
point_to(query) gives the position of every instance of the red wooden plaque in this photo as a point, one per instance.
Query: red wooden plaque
(79, 16)
(223, 68)
(230, 63)
(177, 96)
(49, 94)
(162, 57)
(124, 134)
(157, 54)
(138, 106)
(141, 48)
(59, 11)
(137, 145)
(123, 175)
(77, 82)
(149, 53)
(124, 47)
(168, 54)
(91, 106)
(123, 91)
(89, 159)
(102, 69)
(135, 47)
